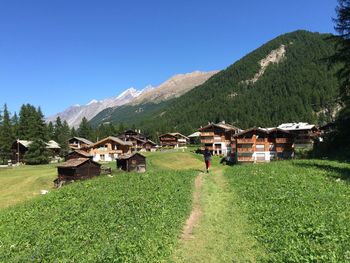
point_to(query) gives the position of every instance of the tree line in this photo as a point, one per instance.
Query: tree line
(30, 125)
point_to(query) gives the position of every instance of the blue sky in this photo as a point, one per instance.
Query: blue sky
(55, 53)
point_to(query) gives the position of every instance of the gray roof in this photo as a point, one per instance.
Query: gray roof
(293, 126)
(49, 145)
(75, 162)
(86, 141)
(112, 138)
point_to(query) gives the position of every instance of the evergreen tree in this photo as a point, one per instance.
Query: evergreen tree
(6, 136)
(14, 121)
(40, 126)
(63, 138)
(57, 128)
(73, 132)
(85, 130)
(51, 131)
(343, 54)
(37, 153)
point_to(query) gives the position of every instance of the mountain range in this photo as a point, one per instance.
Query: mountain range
(288, 79)
(171, 88)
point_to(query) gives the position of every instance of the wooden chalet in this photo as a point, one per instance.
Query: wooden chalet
(132, 134)
(217, 137)
(77, 154)
(77, 169)
(263, 145)
(132, 163)
(77, 143)
(174, 139)
(20, 147)
(305, 133)
(139, 141)
(149, 146)
(109, 149)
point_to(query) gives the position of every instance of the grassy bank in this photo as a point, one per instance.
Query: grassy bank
(299, 210)
(18, 184)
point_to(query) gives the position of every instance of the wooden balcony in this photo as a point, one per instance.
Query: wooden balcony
(207, 141)
(245, 140)
(207, 133)
(284, 140)
(245, 159)
(245, 149)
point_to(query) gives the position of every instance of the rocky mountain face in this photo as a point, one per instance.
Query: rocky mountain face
(171, 88)
(74, 114)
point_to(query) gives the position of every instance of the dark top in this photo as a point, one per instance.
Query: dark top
(207, 155)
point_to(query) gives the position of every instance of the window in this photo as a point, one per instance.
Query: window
(260, 147)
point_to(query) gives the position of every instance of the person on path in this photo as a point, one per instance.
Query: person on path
(207, 158)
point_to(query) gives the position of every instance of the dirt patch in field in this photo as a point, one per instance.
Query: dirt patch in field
(196, 213)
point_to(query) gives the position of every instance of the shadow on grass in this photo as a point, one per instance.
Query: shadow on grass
(342, 173)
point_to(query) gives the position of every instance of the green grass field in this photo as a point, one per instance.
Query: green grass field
(22, 183)
(290, 211)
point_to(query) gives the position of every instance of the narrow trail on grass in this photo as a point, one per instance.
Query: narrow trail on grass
(196, 213)
(217, 229)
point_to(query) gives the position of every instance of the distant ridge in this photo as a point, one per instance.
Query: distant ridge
(171, 88)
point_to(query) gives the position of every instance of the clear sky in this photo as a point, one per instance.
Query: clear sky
(56, 53)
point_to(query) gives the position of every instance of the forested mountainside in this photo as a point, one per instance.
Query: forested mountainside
(287, 79)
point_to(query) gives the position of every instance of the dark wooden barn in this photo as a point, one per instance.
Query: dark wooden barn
(77, 154)
(132, 163)
(77, 169)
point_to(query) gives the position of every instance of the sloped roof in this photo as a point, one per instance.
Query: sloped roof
(49, 145)
(86, 141)
(175, 134)
(263, 130)
(152, 142)
(222, 125)
(75, 163)
(82, 153)
(293, 126)
(112, 138)
(52, 145)
(128, 156)
(195, 134)
(25, 143)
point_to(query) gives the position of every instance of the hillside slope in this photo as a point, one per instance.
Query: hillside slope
(287, 79)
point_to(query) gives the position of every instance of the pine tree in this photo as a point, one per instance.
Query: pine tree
(40, 126)
(343, 54)
(37, 153)
(73, 132)
(14, 121)
(63, 138)
(6, 136)
(57, 128)
(85, 130)
(51, 131)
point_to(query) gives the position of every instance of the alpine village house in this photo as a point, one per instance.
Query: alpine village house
(217, 137)
(263, 145)
(109, 149)
(139, 141)
(174, 140)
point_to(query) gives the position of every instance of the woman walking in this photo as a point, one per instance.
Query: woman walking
(207, 158)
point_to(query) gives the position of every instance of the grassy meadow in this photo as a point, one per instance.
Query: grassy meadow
(288, 211)
(22, 183)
